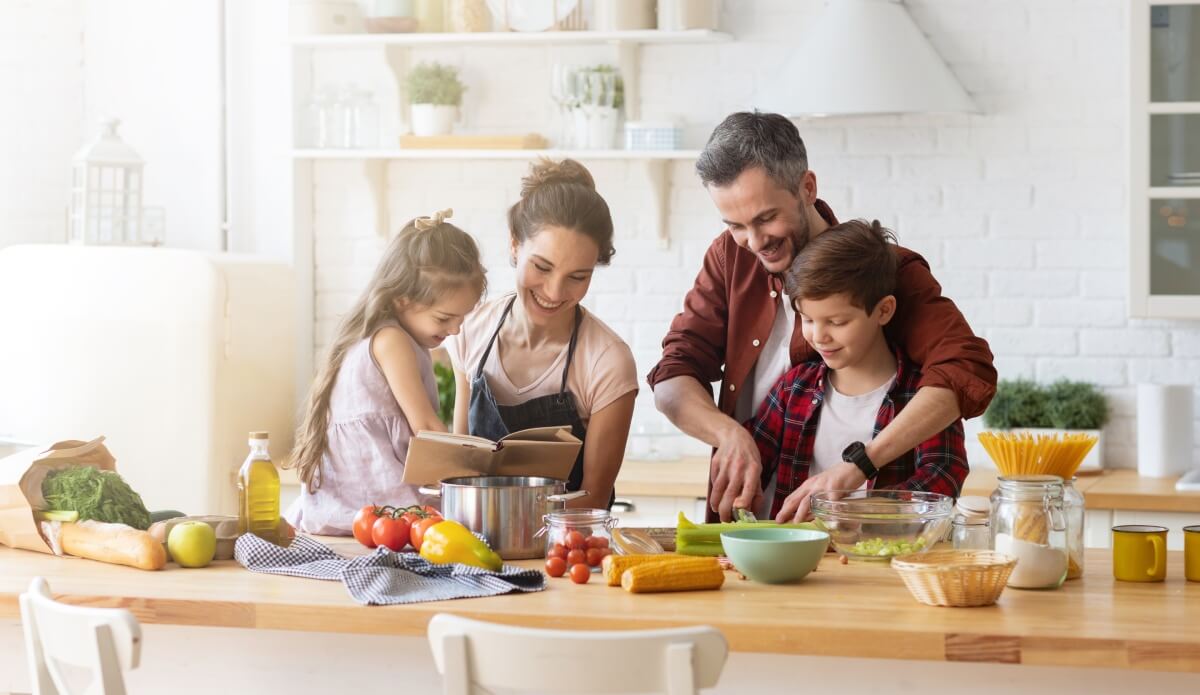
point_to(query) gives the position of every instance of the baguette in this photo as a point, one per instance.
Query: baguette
(115, 543)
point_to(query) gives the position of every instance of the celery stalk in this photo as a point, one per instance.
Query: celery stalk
(705, 539)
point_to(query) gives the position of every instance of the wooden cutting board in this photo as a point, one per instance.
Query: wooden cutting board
(531, 141)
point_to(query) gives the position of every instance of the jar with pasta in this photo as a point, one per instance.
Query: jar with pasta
(1073, 507)
(1028, 522)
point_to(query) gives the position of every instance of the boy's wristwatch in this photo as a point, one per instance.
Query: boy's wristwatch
(856, 453)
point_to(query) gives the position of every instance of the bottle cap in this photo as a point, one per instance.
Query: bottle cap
(259, 435)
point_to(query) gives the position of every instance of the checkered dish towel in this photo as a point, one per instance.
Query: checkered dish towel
(385, 577)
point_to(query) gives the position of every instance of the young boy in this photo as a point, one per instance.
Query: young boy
(819, 413)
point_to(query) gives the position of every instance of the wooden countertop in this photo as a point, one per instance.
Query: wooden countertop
(1115, 489)
(859, 609)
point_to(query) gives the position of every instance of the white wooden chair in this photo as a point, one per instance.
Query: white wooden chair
(101, 641)
(475, 656)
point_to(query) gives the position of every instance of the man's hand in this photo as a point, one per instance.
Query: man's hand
(798, 505)
(736, 473)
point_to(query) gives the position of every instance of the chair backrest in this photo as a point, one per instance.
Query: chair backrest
(472, 654)
(101, 641)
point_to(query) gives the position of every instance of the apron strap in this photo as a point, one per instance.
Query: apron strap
(488, 350)
(571, 348)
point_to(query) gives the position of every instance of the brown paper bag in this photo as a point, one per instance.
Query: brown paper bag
(21, 477)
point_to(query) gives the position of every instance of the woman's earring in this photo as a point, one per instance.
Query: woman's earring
(512, 260)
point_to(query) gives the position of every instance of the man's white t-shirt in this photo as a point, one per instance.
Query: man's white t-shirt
(773, 362)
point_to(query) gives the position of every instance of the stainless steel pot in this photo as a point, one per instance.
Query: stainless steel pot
(507, 510)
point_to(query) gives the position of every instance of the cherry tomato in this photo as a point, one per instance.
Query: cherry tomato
(594, 556)
(597, 542)
(559, 550)
(576, 557)
(390, 533)
(417, 534)
(575, 541)
(364, 521)
(556, 567)
(581, 573)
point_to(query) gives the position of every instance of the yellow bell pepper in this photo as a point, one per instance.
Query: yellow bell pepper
(450, 541)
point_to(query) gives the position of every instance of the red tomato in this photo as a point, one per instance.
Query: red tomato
(580, 574)
(559, 550)
(556, 567)
(576, 557)
(594, 556)
(597, 542)
(417, 534)
(364, 520)
(412, 517)
(575, 541)
(390, 533)
(431, 510)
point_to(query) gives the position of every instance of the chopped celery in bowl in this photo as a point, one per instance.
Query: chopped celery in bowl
(880, 524)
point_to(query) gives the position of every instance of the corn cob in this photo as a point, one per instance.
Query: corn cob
(653, 577)
(614, 566)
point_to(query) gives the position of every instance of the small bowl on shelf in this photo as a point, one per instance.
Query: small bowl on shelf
(881, 524)
(775, 555)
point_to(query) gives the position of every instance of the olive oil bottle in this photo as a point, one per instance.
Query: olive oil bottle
(258, 491)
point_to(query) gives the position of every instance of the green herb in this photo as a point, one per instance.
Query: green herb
(445, 387)
(1069, 405)
(434, 83)
(95, 494)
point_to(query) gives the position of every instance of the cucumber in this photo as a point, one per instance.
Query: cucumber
(165, 514)
(58, 515)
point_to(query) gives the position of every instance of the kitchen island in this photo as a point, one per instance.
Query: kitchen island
(859, 610)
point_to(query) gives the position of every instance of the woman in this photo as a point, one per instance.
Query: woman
(535, 358)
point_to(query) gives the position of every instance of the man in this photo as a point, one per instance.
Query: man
(736, 326)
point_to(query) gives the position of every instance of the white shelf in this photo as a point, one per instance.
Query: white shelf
(636, 155)
(511, 38)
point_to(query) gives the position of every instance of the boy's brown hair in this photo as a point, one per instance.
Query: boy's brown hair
(857, 258)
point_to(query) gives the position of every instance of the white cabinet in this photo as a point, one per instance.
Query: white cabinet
(657, 511)
(1098, 525)
(1164, 180)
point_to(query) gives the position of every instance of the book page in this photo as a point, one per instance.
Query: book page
(458, 439)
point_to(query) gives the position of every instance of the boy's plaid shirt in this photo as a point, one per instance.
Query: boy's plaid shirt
(785, 429)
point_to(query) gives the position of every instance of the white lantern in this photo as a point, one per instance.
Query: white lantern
(106, 191)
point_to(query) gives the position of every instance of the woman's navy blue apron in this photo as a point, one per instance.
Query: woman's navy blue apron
(486, 418)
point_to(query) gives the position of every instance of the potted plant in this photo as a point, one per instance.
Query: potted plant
(1062, 407)
(435, 93)
(599, 97)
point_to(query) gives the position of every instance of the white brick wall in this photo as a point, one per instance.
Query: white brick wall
(1021, 210)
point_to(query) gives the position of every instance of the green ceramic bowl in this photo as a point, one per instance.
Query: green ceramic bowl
(775, 555)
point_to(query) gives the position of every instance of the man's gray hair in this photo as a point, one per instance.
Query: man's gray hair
(752, 139)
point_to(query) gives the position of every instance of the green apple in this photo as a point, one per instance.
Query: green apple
(192, 543)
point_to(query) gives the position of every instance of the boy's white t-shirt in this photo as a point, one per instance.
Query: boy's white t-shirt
(844, 419)
(602, 371)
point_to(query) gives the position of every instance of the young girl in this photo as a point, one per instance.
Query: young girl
(377, 387)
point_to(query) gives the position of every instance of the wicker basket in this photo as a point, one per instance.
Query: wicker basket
(955, 577)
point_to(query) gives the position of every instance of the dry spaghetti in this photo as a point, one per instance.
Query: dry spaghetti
(1023, 453)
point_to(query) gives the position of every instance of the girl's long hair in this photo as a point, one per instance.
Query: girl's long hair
(419, 266)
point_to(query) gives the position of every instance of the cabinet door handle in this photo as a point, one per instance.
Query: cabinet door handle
(622, 506)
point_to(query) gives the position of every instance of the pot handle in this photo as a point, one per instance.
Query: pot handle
(566, 496)
(431, 491)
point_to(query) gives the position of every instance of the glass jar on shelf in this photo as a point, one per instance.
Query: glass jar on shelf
(1073, 507)
(322, 131)
(1028, 522)
(970, 529)
(579, 535)
(363, 113)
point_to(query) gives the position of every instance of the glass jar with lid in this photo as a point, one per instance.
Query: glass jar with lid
(1073, 507)
(587, 532)
(971, 530)
(1028, 522)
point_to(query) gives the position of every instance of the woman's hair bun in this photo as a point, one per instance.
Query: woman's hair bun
(546, 172)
